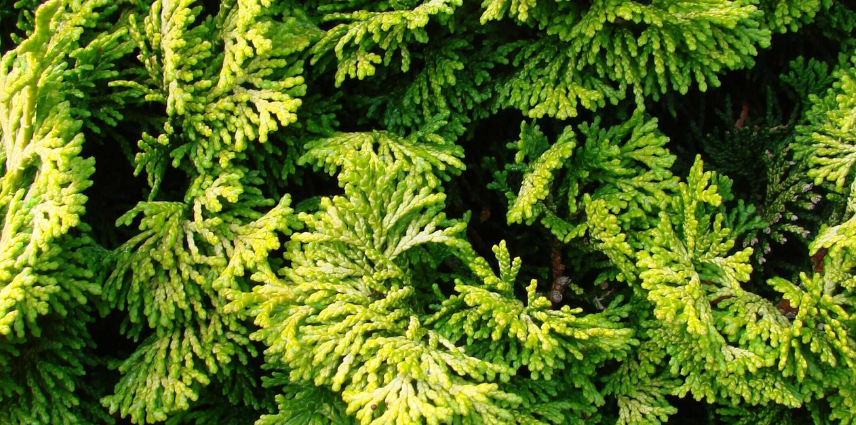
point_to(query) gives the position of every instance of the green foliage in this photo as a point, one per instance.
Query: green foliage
(825, 143)
(305, 404)
(45, 379)
(779, 196)
(167, 278)
(45, 174)
(49, 284)
(353, 323)
(220, 94)
(640, 388)
(499, 327)
(454, 81)
(594, 53)
(784, 15)
(615, 180)
(423, 152)
(340, 322)
(357, 44)
(626, 167)
(281, 212)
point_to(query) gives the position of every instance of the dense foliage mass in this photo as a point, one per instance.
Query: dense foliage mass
(428, 212)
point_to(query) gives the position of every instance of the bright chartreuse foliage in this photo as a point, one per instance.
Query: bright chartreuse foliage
(425, 212)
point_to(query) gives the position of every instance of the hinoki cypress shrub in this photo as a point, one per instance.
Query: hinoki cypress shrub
(428, 212)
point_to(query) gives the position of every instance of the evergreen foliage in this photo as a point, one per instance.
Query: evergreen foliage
(283, 212)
